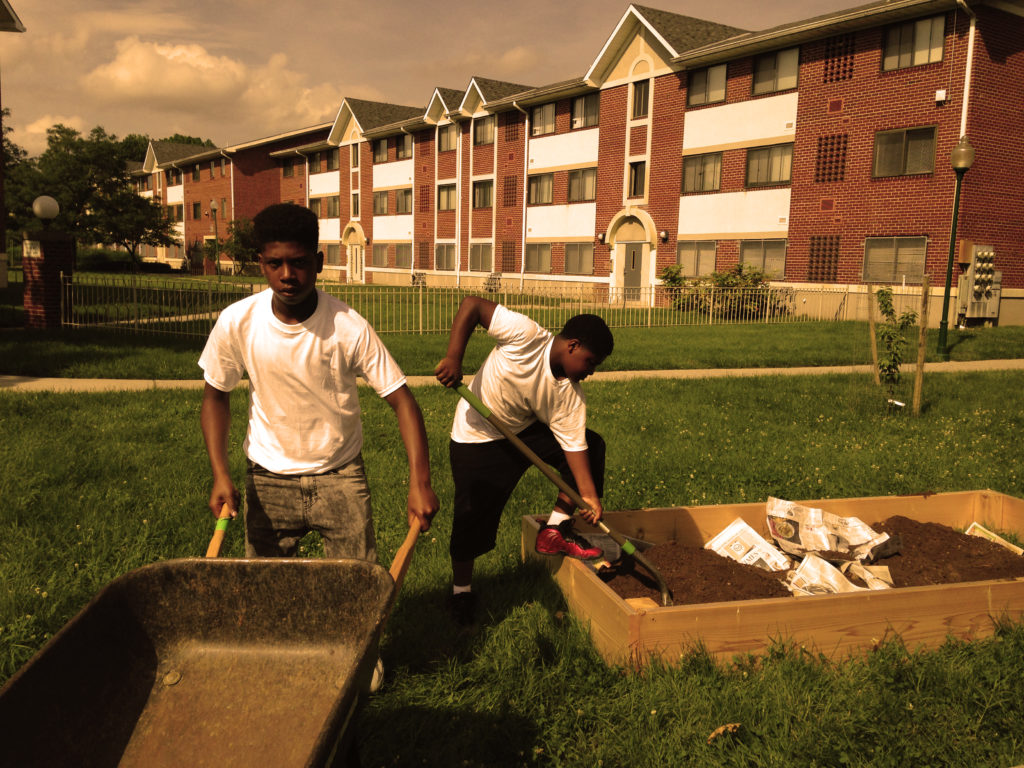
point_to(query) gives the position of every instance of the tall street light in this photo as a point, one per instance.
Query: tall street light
(216, 235)
(961, 158)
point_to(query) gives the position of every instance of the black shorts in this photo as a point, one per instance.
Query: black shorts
(485, 475)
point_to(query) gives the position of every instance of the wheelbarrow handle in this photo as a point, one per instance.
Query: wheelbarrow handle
(218, 533)
(625, 544)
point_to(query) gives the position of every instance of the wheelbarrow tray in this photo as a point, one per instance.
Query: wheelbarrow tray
(202, 662)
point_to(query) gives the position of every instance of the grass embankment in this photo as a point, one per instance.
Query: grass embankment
(96, 485)
(106, 354)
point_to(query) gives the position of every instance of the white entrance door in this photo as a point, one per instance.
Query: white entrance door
(356, 262)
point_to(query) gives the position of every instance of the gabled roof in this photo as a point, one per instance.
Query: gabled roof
(369, 115)
(161, 153)
(672, 32)
(482, 91)
(134, 168)
(9, 21)
(442, 103)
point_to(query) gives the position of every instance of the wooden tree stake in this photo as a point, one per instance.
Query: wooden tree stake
(871, 331)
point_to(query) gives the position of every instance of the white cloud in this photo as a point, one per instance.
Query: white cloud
(32, 137)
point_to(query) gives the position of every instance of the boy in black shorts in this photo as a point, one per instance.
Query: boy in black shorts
(530, 381)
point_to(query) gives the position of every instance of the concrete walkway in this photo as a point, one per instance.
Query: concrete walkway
(32, 384)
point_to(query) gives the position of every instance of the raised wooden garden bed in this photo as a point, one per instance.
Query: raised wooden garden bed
(632, 631)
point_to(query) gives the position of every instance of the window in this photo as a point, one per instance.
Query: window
(379, 258)
(403, 201)
(446, 197)
(776, 71)
(586, 110)
(444, 257)
(702, 173)
(173, 176)
(706, 86)
(480, 257)
(332, 160)
(579, 258)
(175, 212)
(403, 255)
(582, 185)
(538, 257)
(315, 206)
(894, 259)
(380, 203)
(914, 43)
(404, 147)
(767, 255)
(224, 208)
(483, 194)
(641, 97)
(354, 152)
(213, 167)
(542, 120)
(540, 189)
(510, 191)
(904, 152)
(380, 151)
(446, 138)
(288, 167)
(483, 130)
(333, 207)
(355, 205)
(315, 163)
(223, 166)
(696, 257)
(197, 211)
(637, 179)
(195, 172)
(334, 254)
(769, 165)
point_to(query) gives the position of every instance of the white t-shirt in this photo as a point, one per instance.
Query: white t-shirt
(304, 415)
(516, 383)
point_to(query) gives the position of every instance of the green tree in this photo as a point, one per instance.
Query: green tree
(16, 174)
(240, 244)
(179, 138)
(122, 217)
(893, 333)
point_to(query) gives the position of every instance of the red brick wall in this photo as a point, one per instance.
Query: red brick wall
(610, 163)
(872, 100)
(991, 202)
(666, 163)
(42, 278)
(424, 195)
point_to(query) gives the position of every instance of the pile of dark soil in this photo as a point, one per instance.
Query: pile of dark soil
(930, 554)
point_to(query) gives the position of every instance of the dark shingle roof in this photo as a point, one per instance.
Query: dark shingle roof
(372, 114)
(492, 90)
(686, 32)
(451, 97)
(169, 151)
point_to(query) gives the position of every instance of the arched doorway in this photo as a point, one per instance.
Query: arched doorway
(633, 240)
(354, 241)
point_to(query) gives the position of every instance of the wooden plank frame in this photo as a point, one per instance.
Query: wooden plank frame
(633, 632)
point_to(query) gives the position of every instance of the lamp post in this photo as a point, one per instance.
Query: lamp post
(45, 209)
(961, 158)
(216, 238)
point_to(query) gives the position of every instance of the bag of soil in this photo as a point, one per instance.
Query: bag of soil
(799, 530)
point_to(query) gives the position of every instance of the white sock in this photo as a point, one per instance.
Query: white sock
(557, 517)
(457, 590)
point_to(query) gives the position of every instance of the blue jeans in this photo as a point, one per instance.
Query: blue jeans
(281, 509)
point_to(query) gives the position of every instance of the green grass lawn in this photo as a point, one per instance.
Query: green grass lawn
(96, 485)
(109, 354)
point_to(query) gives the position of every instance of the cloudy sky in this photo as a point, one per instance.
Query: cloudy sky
(237, 70)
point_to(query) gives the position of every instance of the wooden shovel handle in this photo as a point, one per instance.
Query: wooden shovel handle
(404, 556)
(218, 533)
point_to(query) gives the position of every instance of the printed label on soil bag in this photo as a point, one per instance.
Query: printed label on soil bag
(743, 544)
(799, 530)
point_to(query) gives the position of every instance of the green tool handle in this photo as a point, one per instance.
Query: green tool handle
(625, 544)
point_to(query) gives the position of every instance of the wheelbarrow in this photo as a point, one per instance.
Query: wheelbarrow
(195, 662)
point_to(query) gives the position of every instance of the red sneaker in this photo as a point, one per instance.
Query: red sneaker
(563, 540)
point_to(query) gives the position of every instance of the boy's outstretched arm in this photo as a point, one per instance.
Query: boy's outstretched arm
(579, 463)
(215, 421)
(473, 311)
(423, 503)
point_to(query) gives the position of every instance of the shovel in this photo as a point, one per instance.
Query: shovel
(218, 532)
(625, 544)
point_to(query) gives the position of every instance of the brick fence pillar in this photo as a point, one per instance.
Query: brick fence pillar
(45, 256)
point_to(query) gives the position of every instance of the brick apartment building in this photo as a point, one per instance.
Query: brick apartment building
(818, 151)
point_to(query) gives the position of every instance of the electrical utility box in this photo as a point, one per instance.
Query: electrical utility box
(980, 286)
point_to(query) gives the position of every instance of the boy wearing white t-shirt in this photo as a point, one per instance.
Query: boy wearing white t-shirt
(530, 381)
(302, 350)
